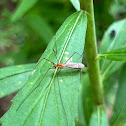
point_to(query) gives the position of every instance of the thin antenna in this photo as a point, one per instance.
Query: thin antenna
(55, 52)
(55, 44)
(55, 55)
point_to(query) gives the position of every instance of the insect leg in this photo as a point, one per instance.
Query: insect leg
(80, 75)
(72, 56)
(41, 60)
(61, 97)
(33, 90)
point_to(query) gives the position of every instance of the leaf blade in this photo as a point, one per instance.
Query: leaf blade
(109, 44)
(76, 4)
(99, 118)
(39, 111)
(13, 78)
(86, 101)
(119, 110)
(24, 6)
(117, 55)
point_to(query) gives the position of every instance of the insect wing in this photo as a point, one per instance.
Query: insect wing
(74, 65)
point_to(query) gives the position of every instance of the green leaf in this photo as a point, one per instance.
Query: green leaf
(117, 55)
(46, 105)
(39, 25)
(109, 38)
(99, 117)
(119, 110)
(110, 43)
(110, 89)
(24, 6)
(86, 101)
(76, 4)
(13, 78)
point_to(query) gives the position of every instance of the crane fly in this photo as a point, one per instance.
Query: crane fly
(60, 66)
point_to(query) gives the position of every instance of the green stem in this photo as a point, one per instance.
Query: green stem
(91, 53)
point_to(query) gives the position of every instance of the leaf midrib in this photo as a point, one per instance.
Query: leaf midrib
(50, 84)
(9, 76)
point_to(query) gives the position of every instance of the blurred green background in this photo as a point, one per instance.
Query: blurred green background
(24, 40)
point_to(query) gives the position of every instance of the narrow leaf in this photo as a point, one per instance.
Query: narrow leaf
(55, 100)
(76, 4)
(24, 6)
(110, 43)
(117, 55)
(99, 118)
(119, 110)
(13, 78)
(86, 101)
(111, 35)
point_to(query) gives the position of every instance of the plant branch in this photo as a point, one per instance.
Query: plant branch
(91, 53)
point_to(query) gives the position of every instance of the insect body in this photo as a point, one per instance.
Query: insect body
(60, 66)
(69, 65)
(113, 34)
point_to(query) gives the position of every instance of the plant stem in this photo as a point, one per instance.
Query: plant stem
(91, 53)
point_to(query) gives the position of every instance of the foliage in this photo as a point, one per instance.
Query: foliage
(71, 28)
(13, 78)
(50, 96)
